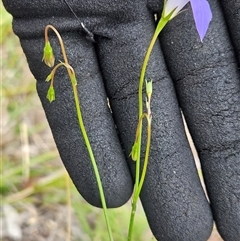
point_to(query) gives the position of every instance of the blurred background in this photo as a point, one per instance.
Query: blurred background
(39, 201)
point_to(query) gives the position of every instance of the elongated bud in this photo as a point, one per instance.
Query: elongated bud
(48, 56)
(51, 94)
(149, 88)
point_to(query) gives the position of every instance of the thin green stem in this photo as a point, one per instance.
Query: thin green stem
(135, 197)
(138, 184)
(145, 164)
(82, 128)
(160, 26)
(93, 161)
(130, 230)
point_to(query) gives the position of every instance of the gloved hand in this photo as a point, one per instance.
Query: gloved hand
(201, 78)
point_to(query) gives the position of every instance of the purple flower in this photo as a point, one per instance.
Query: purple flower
(201, 12)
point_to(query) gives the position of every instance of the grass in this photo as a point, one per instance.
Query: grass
(34, 182)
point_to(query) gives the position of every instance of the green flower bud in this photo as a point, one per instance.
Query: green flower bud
(48, 56)
(51, 94)
(149, 88)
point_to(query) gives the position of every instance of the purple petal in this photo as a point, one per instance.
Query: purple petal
(202, 16)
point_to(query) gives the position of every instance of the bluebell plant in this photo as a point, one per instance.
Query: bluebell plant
(202, 16)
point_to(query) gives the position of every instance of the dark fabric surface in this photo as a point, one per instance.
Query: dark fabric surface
(208, 88)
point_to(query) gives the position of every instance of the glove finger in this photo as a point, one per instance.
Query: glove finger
(208, 86)
(61, 113)
(232, 17)
(172, 195)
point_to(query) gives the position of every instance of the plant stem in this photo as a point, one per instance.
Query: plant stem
(83, 130)
(138, 184)
(94, 164)
(69, 213)
(145, 164)
(134, 201)
(160, 26)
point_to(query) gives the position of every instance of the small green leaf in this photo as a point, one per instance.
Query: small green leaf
(49, 77)
(134, 152)
(48, 56)
(51, 94)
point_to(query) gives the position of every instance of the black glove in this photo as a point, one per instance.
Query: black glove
(207, 88)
